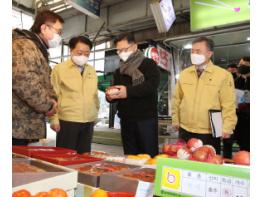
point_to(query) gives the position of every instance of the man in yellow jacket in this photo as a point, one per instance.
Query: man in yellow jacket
(75, 83)
(200, 88)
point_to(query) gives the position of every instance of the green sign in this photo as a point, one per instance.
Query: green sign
(211, 13)
(186, 178)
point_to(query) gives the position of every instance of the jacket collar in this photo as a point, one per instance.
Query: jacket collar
(209, 67)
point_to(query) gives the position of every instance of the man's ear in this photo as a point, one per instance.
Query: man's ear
(210, 53)
(43, 27)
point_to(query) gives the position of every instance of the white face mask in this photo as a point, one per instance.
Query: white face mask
(197, 59)
(55, 41)
(125, 55)
(80, 60)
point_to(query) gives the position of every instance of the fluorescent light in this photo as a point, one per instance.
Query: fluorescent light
(248, 38)
(187, 46)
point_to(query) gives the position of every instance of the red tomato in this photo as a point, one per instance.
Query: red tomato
(21, 193)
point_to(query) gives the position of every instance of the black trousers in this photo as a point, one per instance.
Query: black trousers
(243, 129)
(19, 142)
(75, 135)
(206, 138)
(140, 137)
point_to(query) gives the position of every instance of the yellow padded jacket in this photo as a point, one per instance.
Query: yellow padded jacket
(194, 97)
(77, 94)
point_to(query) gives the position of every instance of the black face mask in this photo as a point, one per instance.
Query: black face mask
(243, 69)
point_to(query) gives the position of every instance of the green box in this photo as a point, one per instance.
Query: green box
(213, 13)
(184, 178)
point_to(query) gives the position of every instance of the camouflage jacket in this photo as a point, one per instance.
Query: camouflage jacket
(32, 90)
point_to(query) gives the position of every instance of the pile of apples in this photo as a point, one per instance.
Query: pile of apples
(195, 150)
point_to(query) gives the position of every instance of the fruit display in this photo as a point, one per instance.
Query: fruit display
(56, 192)
(144, 174)
(194, 150)
(23, 167)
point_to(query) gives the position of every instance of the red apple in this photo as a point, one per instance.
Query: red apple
(194, 144)
(183, 153)
(217, 159)
(175, 147)
(166, 148)
(204, 153)
(180, 142)
(242, 158)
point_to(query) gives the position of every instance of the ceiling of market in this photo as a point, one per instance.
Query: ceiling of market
(230, 45)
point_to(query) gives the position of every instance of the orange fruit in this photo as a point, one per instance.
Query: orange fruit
(56, 192)
(41, 194)
(144, 156)
(100, 193)
(21, 193)
(151, 161)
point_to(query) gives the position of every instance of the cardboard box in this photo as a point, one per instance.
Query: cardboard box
(53, 177)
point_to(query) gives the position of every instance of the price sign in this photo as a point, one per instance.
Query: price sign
(188, 179)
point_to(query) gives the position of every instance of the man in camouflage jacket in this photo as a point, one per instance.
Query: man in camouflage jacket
(33, 97)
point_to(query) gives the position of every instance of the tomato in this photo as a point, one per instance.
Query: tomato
(41, 194)
(21, 193)
(57, 193)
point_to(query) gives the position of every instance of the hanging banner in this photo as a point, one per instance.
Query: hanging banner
(161, 56)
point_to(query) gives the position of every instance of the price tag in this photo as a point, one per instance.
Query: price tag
(144, 189)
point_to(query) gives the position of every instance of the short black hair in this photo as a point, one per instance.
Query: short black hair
(209, 42)
(126, 36)
(43, 17)
(75, 40)
(232, 66)
(246, 58)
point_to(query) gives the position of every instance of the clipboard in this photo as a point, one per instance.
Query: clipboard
(216, 122)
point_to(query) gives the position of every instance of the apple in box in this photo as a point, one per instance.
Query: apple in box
(217, 159)
(204, 153)
(111, 91)
(183, 153)
(242, 158)
(194, 144)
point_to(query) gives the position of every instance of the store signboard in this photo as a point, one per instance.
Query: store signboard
(88, 7)
(163, 13)
(208, 14)
(186, 178)
(161, 56)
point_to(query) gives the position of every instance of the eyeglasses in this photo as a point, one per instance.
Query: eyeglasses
(58, 31)
(123, 50)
